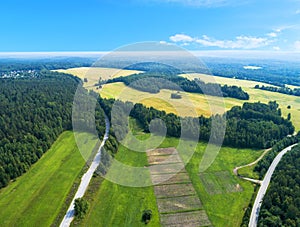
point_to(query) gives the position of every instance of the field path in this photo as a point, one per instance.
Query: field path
(177, 200)
(85, 180)
(236, 169)
(264, 186)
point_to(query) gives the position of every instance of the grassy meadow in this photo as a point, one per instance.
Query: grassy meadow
(190, 104)
(35, 198)
(113, 204)
(93, 74)
(198, 104)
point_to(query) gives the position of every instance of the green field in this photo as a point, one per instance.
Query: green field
(112, 204)
(36, 198)
(116, 205)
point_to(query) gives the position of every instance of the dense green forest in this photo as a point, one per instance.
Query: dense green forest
(33, 113)
(281, 204)
(8, 65)
(254, 125)
(282, 90)
(153, 82)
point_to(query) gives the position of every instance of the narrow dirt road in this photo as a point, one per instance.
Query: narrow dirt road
(236, 169)
(85, 180)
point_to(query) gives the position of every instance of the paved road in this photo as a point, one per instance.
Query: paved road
(85, 180)
(264, 186)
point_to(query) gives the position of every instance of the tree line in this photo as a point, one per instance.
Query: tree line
(282, 90)
(254, 125)
(153, 82)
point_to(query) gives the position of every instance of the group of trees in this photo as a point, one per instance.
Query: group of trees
(254, 125)
(153, 82)
(283, 90)
(281, 204)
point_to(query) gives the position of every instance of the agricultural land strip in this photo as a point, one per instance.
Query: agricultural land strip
(177, 200)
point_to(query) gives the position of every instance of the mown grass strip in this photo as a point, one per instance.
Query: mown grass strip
(36, 198)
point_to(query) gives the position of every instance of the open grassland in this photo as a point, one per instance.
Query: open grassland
(248, 171)
(36, 198)
(198, 104)
(93, 74)
(226, 208)
(113, 204)
(219, 182)
(117, 205)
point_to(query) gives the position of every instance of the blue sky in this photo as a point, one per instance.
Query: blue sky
(103, 25)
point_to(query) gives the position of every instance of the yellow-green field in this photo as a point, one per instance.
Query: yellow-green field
(190, 104)
(223, 80)
(260, 95)
(93, 74)
(198, 104)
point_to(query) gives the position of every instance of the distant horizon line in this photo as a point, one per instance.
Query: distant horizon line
(202, 53)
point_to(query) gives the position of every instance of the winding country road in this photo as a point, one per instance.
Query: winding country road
(85, 180)
(264, 186)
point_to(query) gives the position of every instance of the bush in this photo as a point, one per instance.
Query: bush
(146, 217)
(81, 207)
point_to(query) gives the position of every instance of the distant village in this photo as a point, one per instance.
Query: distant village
(19, 74)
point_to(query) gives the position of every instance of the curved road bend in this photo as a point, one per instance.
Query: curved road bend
(264, 186)
(85, 180)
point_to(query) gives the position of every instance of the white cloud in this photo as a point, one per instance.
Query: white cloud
(240, 42)
(272, 34)
(181, 38)
(277, 48)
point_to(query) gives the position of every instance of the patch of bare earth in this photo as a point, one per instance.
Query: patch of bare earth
(177, 200)
(186, 219)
